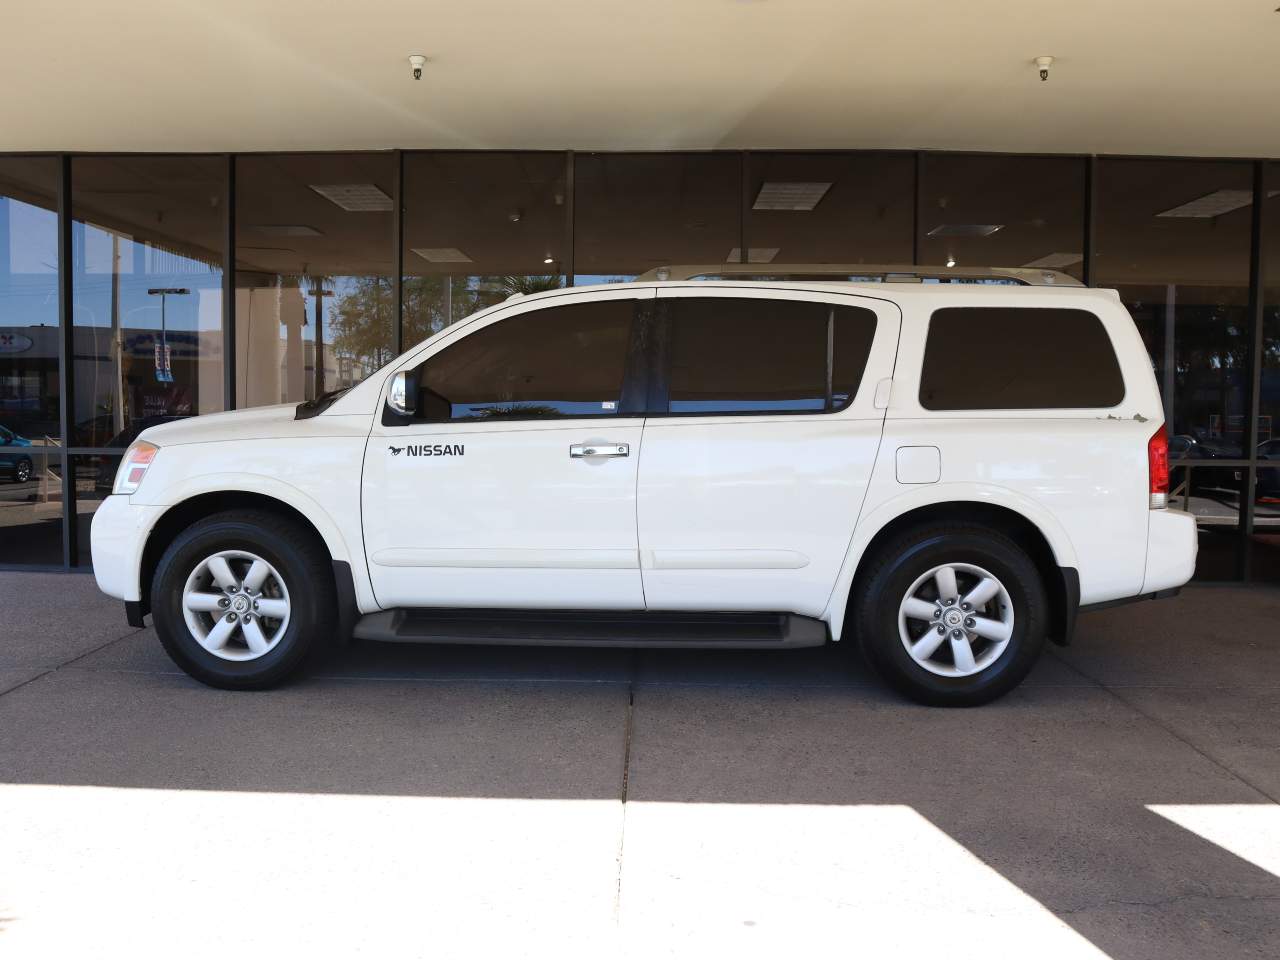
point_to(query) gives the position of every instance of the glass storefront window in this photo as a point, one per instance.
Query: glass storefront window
(1266, 542)
(314, 273)
(829, 208)
(1173, 237)
(30, 389)
(479, 227)
(147, 292)
(982, 210)
(634, 212)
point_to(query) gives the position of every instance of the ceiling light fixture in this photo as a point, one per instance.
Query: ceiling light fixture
(965, 229)
(754, 255)
(1044, 63)
(951, 261)
(416, 62)
(1055, 261)
(284, 229)
(548, 259)
(790, 195)
(1214, 204)
(354, 197)
(442, 254)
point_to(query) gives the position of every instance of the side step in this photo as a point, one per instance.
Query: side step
(593, 628)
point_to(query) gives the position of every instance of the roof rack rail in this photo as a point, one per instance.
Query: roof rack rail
(862, 273)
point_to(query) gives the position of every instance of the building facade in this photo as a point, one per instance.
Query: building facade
(138, 288)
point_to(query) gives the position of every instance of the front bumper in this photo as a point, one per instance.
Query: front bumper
(117, 538)
(1172, 544)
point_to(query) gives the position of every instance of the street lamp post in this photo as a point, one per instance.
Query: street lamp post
(164, 373)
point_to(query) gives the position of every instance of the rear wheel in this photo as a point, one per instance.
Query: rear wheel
(22, 471)
(951, 615)
(241, 598)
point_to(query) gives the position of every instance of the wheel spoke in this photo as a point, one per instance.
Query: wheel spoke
(991, 629)
(962, 652)
(253, 637)
(945, 578)
(217, 638)
(927, 645)
(222, 574)
(256, 575)
(918, 609)
(272, 607)
(203, 602)
(984, 591)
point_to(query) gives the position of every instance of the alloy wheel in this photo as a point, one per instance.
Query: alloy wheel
(956, 620)
(236, 605)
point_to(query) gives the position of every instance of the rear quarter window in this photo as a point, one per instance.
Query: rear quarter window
(1018, 358)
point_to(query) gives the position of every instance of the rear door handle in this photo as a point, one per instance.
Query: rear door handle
(600, 450)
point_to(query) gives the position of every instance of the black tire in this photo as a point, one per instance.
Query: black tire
(301, 561)
(881, 588)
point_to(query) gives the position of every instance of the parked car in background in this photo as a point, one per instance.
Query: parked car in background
(15, 456)
(940, 475)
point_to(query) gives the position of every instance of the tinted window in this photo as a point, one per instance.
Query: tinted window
(565, 361)
(733, 355)
(1011, 358)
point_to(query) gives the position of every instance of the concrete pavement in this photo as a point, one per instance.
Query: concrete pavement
(416, 801)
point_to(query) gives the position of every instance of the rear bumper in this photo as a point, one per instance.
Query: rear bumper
(1172, 544)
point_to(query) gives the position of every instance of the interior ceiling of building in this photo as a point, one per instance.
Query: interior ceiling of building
(1176, 77)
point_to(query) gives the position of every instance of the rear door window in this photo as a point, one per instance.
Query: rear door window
(739, 355)
(1018, 358)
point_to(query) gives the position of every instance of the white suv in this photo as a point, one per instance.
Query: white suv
(940, 474)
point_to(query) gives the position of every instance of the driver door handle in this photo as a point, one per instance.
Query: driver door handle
(599, 450)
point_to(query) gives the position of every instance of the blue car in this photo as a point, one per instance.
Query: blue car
(15, 456)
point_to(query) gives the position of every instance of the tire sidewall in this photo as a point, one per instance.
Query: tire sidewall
(882, 642)
(294, 566)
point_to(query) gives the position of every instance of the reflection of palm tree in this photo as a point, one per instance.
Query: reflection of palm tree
(518, 284)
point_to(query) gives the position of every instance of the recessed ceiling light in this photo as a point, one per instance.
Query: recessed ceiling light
(1056, 261)
(284, 230)
(965, 229)
(789, 195)
(354, 197)
(951, 261)
(1213, 204)
(754, 254)
(548, 259)
(442, 255)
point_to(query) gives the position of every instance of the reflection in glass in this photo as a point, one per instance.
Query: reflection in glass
(1173, 237)
(29, 384)
(1266, 545)
(479, 228)
(981, 210)
(94, 478)
(637, 211)
(147, 301)
(30, 501)
(314, 268)
(808, 208)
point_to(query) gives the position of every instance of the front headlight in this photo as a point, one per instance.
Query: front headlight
(134, 466)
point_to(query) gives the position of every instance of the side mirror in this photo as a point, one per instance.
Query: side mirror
(403, 396)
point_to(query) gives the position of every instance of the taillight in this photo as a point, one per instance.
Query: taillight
(136, 461)
(1158, 468)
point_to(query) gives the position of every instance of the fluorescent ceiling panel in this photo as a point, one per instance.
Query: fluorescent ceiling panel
(1056, 261)
(1214, 204)
(789, 195)
(965, 229)
(754, 254)
(354, 197)
(284, 230)
(442, 255)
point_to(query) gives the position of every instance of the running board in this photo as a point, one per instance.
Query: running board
(593, 628)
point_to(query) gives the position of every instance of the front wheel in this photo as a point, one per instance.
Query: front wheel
(241, 598)
(22, 472)
(951, 614)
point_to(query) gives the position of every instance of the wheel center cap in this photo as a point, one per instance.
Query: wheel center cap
(240, 603)
(953, 618)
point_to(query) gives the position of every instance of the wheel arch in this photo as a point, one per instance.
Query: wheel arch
(181, 515)
(1049, 550)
